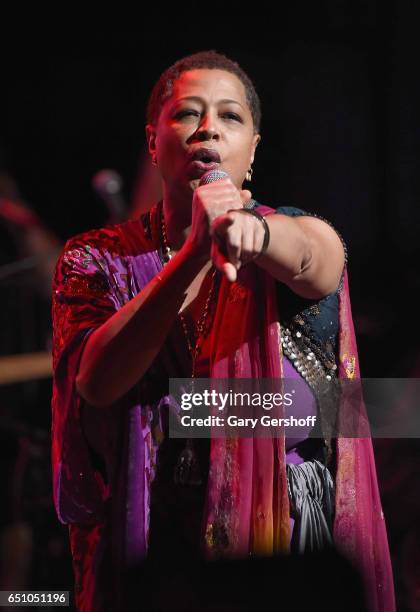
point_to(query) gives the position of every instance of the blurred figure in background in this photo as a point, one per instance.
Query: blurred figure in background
(33, 242)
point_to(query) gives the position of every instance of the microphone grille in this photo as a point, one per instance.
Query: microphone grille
(212, 176)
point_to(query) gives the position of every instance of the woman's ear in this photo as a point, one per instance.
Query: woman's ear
(151, 138)
(255, 142)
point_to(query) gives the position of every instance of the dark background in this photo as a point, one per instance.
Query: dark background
(340, 137)
(340, 127)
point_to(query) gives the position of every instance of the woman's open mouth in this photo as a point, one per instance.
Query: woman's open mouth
(204, 165)
(202, 160)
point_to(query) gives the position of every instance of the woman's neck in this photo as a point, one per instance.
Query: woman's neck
(177, 214)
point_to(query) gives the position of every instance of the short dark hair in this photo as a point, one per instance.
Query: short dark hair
(205, 59)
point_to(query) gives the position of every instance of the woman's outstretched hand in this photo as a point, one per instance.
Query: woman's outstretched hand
(237, 239)
(229, 238)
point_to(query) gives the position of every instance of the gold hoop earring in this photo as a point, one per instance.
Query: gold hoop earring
(248, 175)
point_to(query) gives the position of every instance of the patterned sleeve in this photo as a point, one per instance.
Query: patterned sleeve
(84, 297)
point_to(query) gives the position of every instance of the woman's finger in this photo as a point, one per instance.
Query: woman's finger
(228, 237)
(233, 244)
(246, 195)
(221, 263)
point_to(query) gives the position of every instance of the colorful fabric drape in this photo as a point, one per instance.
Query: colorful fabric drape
(248, 508)
(103, 493)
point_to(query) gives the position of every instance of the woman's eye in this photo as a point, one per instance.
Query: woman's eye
(194, 113)
(232, 116)
(187, 113)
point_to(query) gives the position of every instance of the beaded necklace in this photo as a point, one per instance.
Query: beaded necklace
(194, 349)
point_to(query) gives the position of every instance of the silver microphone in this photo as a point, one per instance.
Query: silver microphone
(213, 175)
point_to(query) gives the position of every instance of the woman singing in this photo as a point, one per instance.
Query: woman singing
(208, 284)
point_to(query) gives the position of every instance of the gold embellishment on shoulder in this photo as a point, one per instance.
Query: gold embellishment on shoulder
(349, 362)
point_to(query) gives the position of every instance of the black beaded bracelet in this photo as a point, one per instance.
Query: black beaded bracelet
(254, 213)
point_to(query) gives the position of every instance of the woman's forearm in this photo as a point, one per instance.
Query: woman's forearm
(118, 353)
(289, 249)
(305, 253)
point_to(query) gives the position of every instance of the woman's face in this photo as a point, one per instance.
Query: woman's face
(205, 123)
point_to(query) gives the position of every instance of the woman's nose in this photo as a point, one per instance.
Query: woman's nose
(208, 129)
